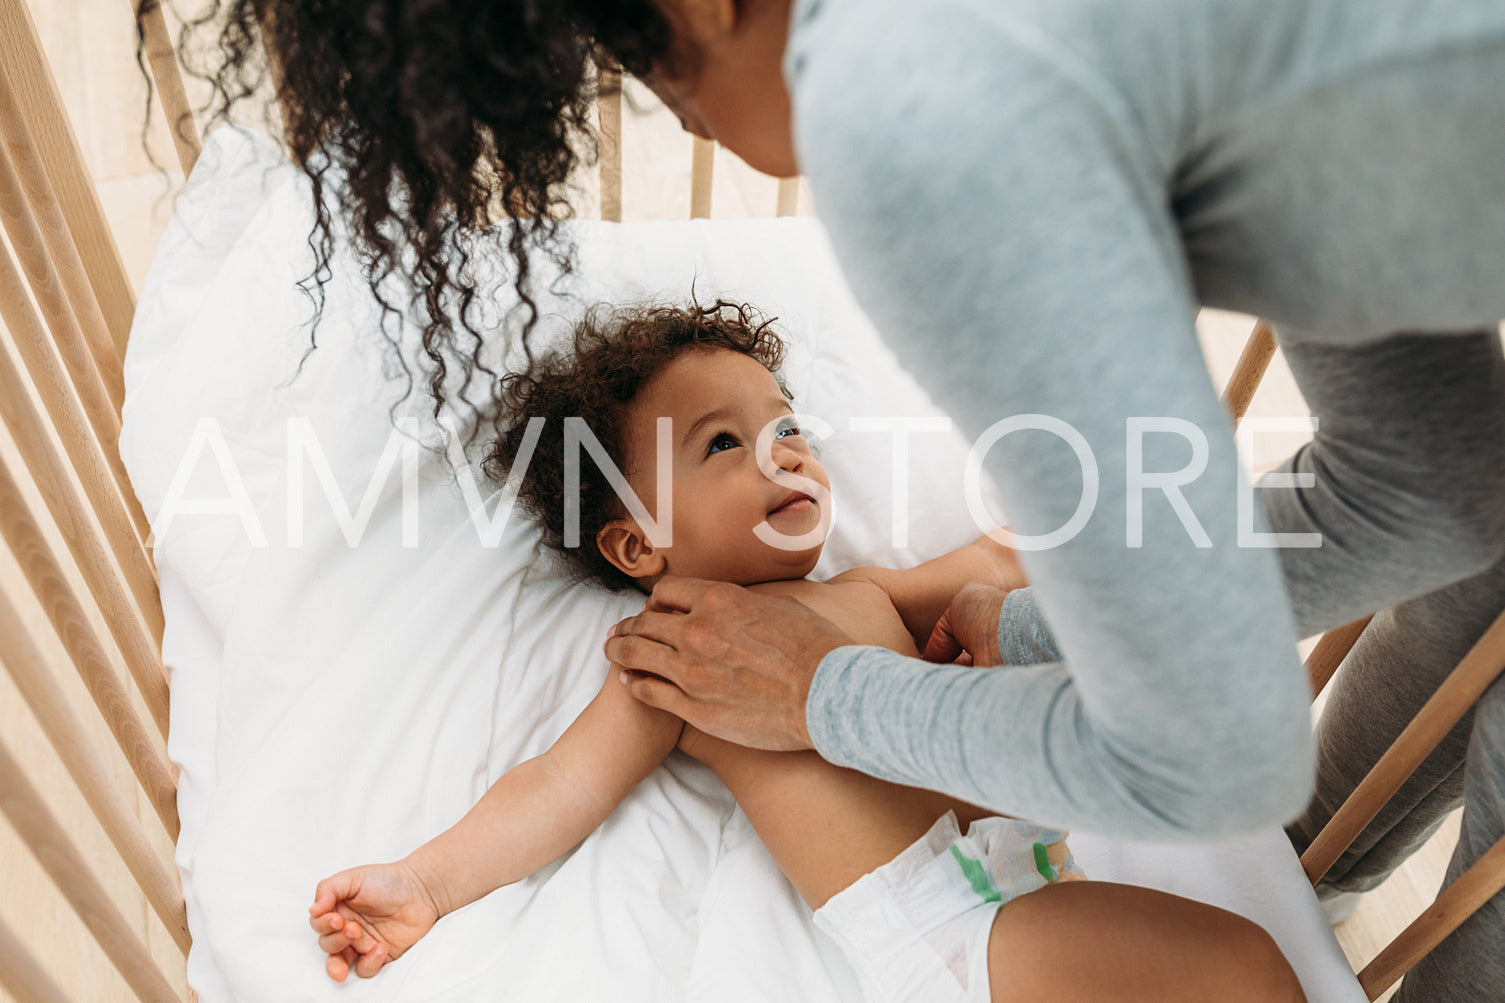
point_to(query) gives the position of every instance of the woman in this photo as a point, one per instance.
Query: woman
(1031, 199)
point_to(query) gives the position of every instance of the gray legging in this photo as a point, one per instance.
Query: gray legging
(1409, 458)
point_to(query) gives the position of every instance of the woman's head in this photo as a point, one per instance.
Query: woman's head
(439, 116)
(723, 76)
(730, 491)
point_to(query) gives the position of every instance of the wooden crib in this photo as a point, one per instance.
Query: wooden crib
(86, 788)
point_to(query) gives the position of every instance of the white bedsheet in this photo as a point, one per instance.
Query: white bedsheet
(338, 704)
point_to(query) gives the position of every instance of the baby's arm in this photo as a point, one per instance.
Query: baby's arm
(921, 594)
(367, 916)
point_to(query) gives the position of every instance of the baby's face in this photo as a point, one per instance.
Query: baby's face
(737, 516)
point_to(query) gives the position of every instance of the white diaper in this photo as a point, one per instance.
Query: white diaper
(917, 928)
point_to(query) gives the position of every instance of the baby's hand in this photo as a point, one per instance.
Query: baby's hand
(1006, 573)
(368, 916)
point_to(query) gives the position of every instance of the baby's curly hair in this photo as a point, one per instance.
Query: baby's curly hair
(614, 353)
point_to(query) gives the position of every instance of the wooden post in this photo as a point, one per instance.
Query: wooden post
(97, 464)
(1462, 899)
(702, 163)
(99, 406)
(169, 79)
(72, 509)
(1250, 369)
(789, 197)
(609, 116)
(65, 613)
(23, 60)
(20, 975)
(1330, 651)
(91, 772)
(37, 191)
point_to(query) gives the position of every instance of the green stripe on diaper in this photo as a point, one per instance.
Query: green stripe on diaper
(1042, 862)
(976, 876)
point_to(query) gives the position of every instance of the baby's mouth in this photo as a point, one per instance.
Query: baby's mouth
(796, 502)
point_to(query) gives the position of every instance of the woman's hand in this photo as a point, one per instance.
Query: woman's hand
(368, 916)
(732, 663)
(968, 631)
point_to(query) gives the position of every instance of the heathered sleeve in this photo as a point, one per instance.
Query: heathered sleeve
(1023, 637)
(1005, 226)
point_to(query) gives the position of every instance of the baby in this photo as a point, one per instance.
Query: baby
(930, 898)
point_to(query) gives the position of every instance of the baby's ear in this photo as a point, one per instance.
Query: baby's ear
(625, 545)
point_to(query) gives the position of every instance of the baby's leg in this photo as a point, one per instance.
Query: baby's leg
(1098, 942)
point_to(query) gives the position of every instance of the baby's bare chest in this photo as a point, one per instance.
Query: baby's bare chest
(861, 609)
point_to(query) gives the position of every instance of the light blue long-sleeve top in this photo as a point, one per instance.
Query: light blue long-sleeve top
(1031, 198)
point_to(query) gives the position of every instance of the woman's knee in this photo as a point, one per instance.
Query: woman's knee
(1438, 516)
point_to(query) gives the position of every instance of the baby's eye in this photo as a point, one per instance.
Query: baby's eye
(720, 442)
(786, 428)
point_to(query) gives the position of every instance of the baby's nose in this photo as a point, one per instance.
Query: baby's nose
(786, 459)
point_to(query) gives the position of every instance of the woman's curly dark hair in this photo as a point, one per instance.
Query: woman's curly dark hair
(436, 116)
(613, 355)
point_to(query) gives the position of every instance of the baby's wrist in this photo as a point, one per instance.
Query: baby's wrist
(1007, 574)
(430, 884)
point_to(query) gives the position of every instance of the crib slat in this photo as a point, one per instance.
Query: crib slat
(123, 595)
(702, 165)
(789, 197)
(1478, 669)
(609, 119)
(37, 191)
(27, 241)
(24, 60)
(1249, 370)
(21, 976)
(147, 758)
(97, 462)
(70, 512)
(1474, 887)
(40, 831)
(92, 774)
(169, 80)
(1330, 651)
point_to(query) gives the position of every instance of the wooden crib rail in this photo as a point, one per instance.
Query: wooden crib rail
(1250, 369)
(30, 191)
(91, 773)
(609, 142)
(146, 755)
(1460, 691)
(38, 828)
(1479, 668)
(85, 602)
(168, 77)
(1330, 651)
(1460, 900)
(22, 57)
(20, 973)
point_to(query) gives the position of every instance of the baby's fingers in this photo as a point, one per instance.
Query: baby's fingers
(340, 940)
(338, 965)
(329, 922)
(370, 962)
(333, 890)
(359, 938)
